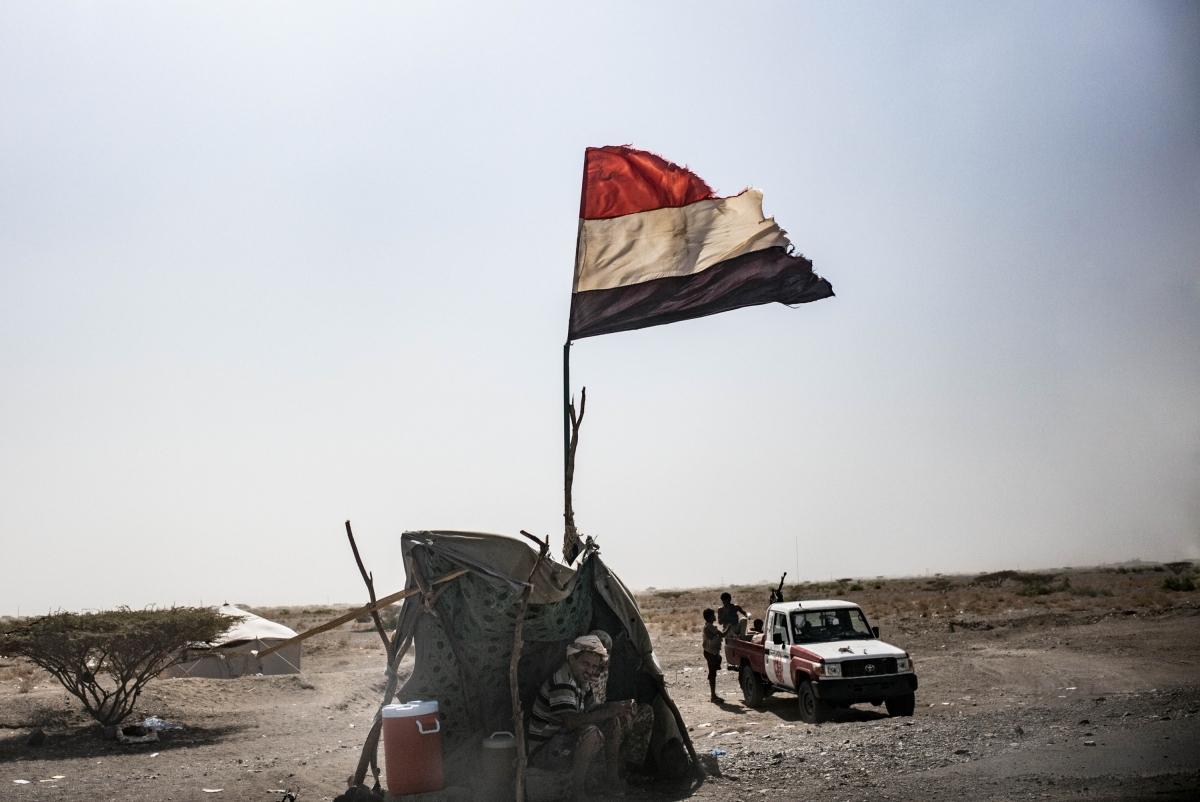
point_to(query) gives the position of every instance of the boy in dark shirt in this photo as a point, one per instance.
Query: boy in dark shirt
(730, 615)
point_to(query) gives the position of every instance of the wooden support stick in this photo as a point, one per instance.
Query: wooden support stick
(536, 540)
(687, 740)
(515, 661)
(353, 614)
(371, 746)
(369, 579)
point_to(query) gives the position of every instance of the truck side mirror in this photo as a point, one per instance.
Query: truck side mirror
(777, 637)
(876, 631)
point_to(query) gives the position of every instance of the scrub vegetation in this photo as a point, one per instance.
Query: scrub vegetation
(105, 659)
(1006, 598)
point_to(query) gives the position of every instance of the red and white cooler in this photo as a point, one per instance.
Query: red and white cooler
(412, 748)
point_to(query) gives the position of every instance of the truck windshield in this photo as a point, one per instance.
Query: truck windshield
(817, 626)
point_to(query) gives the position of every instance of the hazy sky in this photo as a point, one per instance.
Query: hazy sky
(266, 267)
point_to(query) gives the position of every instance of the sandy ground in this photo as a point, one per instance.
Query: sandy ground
(1068, 698)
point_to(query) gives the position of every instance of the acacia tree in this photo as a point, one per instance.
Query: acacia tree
(105, 659)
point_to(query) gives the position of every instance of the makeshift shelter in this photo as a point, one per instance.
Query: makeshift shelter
(463, 635)
(235, 653)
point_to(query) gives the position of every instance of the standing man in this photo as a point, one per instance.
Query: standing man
(730, 616)
(568, 730)
(712, 640)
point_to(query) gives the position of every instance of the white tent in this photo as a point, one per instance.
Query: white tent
(235, 652)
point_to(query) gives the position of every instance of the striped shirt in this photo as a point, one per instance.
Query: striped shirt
(559, 694)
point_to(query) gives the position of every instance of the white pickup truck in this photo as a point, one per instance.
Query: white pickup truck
(828, 654)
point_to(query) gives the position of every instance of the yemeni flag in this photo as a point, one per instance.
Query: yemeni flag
(656, 245)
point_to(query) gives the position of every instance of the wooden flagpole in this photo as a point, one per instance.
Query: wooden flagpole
(571, 545)
(566, 428)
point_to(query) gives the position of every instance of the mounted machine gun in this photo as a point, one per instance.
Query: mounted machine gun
(777, 593)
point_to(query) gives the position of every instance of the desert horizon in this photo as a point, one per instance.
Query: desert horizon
(1134, 562)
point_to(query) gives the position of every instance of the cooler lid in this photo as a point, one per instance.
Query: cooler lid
(413, 708)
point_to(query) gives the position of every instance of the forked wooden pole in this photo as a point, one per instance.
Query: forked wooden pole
(369, 580)
(515, 661)
(571, 542)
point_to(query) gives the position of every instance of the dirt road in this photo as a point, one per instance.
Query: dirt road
(1047, 714)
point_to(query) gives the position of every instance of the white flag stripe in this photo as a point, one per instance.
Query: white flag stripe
(681, 241)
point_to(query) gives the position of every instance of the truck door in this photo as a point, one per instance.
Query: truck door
(779, 651)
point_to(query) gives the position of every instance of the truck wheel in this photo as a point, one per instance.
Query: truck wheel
(901, 705)
(812, 709)
(752, 687)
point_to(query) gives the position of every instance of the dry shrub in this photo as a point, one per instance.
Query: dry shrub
(1179, 583)
(105, 659)
(939, 584)
(1042, 584)
(994, 579)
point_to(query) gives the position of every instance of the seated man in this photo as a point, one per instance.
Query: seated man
(636, 730)
(568, 729)
(600, 682)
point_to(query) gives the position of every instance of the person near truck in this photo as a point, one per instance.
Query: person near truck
(712, 639)
(731, 616)
(568, 730)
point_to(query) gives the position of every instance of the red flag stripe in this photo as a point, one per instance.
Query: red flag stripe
(618, 181)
